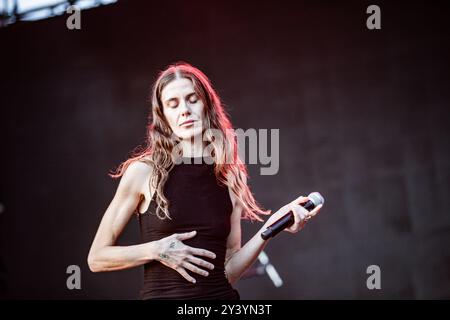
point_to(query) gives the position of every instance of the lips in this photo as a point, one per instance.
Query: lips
(187, 122)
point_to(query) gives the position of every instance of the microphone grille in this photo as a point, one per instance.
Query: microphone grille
(316, 198)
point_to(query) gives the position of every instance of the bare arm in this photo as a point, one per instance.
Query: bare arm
(104, 255)
(238, 259)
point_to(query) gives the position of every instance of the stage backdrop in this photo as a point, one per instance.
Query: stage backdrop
(362, 114)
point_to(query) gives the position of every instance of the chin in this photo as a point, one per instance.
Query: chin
(190, 133)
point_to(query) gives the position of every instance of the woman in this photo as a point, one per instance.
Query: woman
(189, 213)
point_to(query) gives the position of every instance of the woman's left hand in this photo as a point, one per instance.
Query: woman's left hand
(301, 215)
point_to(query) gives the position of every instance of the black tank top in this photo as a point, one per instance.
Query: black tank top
(196, 202)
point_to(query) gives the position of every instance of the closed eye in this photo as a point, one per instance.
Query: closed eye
(193, 98)
(173, 103)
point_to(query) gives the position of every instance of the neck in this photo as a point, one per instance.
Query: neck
(192, 148)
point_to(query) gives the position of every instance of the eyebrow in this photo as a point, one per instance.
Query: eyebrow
(175, 98)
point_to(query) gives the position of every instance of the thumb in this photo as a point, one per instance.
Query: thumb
(186, 235)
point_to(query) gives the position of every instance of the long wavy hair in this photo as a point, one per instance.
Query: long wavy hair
(160, 143)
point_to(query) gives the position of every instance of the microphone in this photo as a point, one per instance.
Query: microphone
(315, 198)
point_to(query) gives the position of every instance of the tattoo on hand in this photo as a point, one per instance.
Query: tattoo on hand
(163, 256)
(172, 245)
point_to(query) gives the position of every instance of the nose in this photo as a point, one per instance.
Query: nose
(184, 108)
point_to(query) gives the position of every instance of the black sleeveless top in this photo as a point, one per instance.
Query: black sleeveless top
(196, 202)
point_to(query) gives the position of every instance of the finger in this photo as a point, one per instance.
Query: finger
(300, 199)
(202, 252)
(185, 275)
(297, 218)
(301, 212)
(316, 210)
(195, 269)
(186, 235)
(304, 199)
(201, 262)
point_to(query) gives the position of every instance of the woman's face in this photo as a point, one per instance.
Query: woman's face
(183, 109)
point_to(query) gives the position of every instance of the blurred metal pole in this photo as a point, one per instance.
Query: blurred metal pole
(264, 267)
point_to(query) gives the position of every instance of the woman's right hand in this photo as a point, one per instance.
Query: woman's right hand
(180, 257)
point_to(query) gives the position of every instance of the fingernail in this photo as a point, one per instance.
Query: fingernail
(193, 281)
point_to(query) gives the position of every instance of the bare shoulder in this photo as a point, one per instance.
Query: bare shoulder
(137, 169)
(232, 196)
(234, 199)
(136, 175)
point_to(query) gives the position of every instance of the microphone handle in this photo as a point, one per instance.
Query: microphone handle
(285, 222)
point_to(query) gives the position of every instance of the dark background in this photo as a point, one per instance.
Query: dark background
(363, 118)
